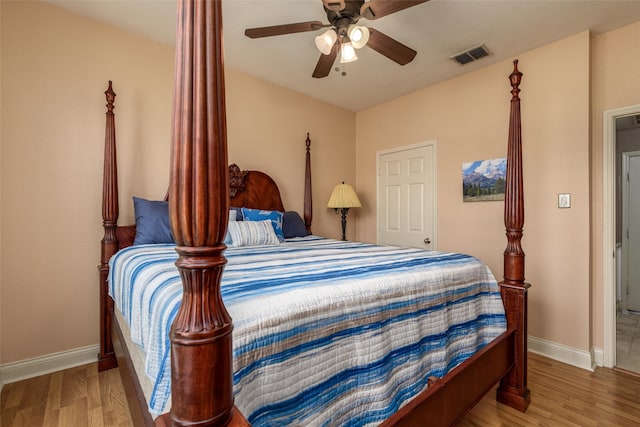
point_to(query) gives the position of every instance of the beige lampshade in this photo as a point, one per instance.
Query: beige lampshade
(344, 196)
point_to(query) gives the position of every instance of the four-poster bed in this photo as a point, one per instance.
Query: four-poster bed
(202, 190)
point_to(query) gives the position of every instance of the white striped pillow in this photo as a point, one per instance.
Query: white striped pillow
(252, 233)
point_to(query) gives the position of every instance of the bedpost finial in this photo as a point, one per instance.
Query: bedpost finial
(111, 96)
(515, 77)
(308, 142)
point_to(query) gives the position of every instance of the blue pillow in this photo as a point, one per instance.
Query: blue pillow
(293, 225)
(259, 215)
(152, 222)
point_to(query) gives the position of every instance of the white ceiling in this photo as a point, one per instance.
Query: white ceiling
(437, 30)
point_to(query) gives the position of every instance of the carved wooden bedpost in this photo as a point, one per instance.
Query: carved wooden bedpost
(198, 206)
(308, 203)
(513, 389)
(109, 244)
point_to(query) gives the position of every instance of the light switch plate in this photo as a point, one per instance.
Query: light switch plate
(564, 200)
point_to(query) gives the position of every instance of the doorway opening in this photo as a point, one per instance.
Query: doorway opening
(628, 243)
(621, 326)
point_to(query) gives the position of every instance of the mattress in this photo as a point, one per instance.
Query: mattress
(325, 332)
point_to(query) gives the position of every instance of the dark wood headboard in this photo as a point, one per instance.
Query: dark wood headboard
(251, 189)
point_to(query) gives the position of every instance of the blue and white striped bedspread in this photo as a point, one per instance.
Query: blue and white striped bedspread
(326, 333)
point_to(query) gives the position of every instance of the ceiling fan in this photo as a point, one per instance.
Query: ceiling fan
(345, 35)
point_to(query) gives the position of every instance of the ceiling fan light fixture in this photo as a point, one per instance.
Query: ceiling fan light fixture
(347, 53)
(326, 40)
(359, 35)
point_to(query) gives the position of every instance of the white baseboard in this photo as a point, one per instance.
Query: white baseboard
(571, 356)
(29, 368)
(597, 357)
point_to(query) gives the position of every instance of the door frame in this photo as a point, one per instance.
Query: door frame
(609, 219)
(434, 144)
(625, 221)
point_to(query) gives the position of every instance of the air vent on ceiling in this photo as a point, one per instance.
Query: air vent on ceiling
(471, 55)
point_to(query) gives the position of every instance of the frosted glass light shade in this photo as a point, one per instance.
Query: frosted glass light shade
(358, 35)
(344, 196)
(326, 40)
(347, 53)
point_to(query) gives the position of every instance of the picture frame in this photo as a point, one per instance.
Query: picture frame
(484, 180)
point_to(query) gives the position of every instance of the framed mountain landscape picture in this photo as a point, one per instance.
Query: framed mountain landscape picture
(484, 180)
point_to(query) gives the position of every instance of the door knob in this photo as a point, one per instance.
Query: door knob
(427, 241)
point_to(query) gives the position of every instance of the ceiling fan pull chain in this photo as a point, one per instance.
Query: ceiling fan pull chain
(343, 65)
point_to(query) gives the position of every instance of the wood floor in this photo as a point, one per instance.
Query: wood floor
(76, 397)
(561, 395)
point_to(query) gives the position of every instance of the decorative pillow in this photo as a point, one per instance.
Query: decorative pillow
(293, 225)
(252, 233)
(237, 212)
(233, 215)
(259, 215)
(152, 222)
(227, 238)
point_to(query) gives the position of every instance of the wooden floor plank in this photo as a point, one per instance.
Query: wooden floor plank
(114, 401)
(561, 395)
(94, 400)
(51, 418)
(15, 392)
(74, 385)
(36, 399)
(75, 413)
(7, 415)
(55, 392)
(95, 418)
(23, 418)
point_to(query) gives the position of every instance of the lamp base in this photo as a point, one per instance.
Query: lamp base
(344, 212)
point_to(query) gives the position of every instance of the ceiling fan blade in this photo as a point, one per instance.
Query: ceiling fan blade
(392, 49)
(335, 5)
(323, 67)
(375, 9)
(277, 30)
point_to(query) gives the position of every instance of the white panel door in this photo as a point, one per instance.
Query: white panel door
(631, 236)
(406, 197)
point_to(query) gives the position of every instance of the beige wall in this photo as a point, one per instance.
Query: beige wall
(54, 67)
(468, 116)
(267, 127)
(615, 83)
